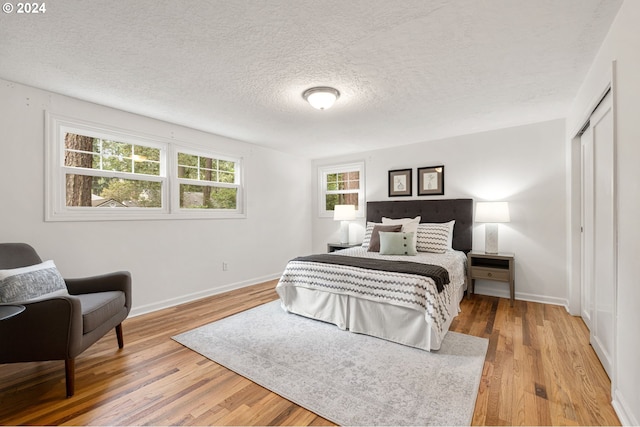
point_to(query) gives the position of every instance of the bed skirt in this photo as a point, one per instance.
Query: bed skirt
(393, 323)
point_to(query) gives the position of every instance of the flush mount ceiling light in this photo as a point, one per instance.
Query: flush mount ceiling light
(321, 98)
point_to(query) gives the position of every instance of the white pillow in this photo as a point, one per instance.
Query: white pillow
(34, 281)
(435, 237)
(451, 224)
(409, 225)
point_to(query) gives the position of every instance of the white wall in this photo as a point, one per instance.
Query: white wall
(523, 165)
(171, 261)
(622, 45)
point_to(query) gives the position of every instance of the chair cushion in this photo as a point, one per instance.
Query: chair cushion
(34, 281)
(99, 307)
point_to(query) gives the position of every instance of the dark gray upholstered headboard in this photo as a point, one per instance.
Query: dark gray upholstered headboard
(440, 210)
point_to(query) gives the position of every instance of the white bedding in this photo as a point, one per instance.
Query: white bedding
(305, 289)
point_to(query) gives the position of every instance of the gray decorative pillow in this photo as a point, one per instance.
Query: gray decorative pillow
(397, 244)
(374, 243)
(34, 281)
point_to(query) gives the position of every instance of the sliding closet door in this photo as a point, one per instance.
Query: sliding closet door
(587, 227)
(599, 254)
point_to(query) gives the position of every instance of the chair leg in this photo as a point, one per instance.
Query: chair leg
(119, 335)
(70, 373)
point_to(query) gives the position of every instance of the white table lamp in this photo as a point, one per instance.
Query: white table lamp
(491, 213)
(344, 214)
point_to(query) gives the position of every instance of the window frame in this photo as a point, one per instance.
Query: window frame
(55, 171)
(175, 184)
(324, 171)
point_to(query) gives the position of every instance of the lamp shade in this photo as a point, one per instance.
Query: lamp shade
(492, 212)
(344, 212)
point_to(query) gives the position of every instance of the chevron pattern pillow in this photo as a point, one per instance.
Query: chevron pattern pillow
(367, 234)
(435, 237)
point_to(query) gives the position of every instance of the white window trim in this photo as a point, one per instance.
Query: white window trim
(323, 171)
(55, 204)
(202, 213)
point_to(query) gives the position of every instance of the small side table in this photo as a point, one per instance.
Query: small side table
(10, 310)
(499, 267)
(337, 246)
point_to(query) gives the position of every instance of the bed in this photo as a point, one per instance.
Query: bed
(356, 290)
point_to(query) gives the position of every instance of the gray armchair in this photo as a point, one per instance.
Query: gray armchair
(62, 327)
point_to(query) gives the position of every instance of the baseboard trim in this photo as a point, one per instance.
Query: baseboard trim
(622, 410)
(172, 302)
(492, 292)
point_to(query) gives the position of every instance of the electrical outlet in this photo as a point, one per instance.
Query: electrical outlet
(225, 266)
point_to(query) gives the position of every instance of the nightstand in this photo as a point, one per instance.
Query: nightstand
(499, 267)
(337, 246)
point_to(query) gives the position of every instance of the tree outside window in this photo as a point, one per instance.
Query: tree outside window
(341, 185)
(129, 162)
(92, 168)
(206, 182)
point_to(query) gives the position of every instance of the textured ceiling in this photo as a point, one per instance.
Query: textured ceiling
(408, 71)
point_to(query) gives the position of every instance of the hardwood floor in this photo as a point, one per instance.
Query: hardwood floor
(539, 370)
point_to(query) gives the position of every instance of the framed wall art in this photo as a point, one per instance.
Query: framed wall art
(431, 181)
(400, 182)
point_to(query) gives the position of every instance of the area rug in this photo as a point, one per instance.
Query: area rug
(347, 378)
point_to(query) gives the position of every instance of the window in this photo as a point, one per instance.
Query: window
(98, 173)
(207, 182)
(341, 185)
(105, 173)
